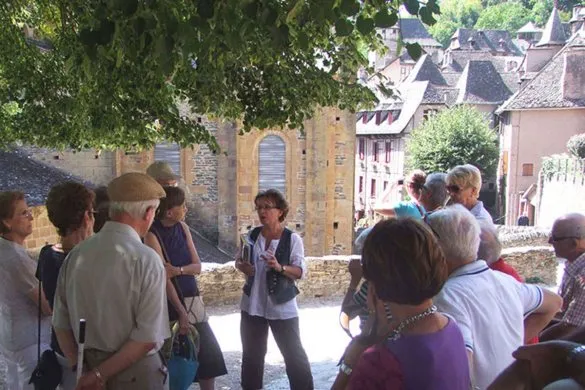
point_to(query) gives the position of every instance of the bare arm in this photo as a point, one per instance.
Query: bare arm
(195, 267)
(537, 320)
(67, 343)
(33, 295)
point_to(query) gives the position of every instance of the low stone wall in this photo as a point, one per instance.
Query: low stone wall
(326, 277)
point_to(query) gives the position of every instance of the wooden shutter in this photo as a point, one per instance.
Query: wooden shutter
(169, 152)
(272, 164)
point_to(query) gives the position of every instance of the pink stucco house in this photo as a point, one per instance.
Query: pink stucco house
(539, 119)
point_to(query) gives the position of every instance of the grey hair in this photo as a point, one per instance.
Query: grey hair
(135, 209)
(436, 185)
(458, 233)
(490, 247)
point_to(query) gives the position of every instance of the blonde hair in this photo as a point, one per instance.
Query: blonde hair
(465, 176)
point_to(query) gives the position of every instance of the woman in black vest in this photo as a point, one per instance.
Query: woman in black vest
(272, 259)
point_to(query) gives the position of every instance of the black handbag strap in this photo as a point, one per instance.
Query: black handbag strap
(167, 260)
(40, 312)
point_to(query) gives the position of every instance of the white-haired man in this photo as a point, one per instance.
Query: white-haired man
(117, 284)
(568, 239)
(496, 314)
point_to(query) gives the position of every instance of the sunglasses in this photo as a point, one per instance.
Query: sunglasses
(258, 208)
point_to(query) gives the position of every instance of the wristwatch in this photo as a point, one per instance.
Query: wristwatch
(344, 368)
(282, 269)
(181, 269)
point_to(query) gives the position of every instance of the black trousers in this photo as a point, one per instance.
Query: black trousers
(254, 333)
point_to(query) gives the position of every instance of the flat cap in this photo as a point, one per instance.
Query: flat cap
(134, 187)
(161, 170)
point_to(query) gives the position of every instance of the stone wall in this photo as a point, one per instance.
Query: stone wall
(558, 196)
(328, 276)
(97, 168)
(43, 231)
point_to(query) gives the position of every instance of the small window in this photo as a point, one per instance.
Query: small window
(169, 152)
(375, 152)
(388, 151)
(361, 148)
(272, 164)
(385, 185)
(527, 169)
(361, 185)
(427, 114)
(373, 188)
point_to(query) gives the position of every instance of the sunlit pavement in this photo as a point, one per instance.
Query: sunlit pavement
(321, 335)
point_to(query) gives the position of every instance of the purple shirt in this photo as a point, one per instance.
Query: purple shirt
(433, 361)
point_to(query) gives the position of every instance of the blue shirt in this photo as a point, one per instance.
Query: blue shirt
(409, 209)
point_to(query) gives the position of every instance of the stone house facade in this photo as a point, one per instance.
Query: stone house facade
(313, 168)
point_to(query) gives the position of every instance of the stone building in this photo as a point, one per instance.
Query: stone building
(314, 169)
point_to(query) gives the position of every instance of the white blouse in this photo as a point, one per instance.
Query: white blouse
(259, 302)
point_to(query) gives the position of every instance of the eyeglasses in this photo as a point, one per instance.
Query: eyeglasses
(26, 213)
(453, 188)
(258, 208)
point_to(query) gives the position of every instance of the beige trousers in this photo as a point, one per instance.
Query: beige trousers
(149, 373)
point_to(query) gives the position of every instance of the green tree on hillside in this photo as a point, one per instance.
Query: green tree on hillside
(459, 135)
(455, 14)
(510, 16)
(115, 70)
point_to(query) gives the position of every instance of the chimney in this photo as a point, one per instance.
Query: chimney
(573, 79)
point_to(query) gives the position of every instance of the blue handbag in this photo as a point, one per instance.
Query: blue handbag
(183, 363)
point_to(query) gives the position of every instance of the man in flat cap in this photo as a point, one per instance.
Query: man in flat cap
(117, 284)
(162, 172)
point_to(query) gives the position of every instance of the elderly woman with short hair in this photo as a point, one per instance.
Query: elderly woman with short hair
(406, 268)
(70, 210)
(19, 293)
(464, 185)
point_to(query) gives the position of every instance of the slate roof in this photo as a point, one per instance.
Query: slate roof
(412, 30)
(494, 41)
(481, 83)
(426, 70)
(460, 58)
(209, 253)
(554, 31)
(545, 89)
(529, 28)
(20, 172)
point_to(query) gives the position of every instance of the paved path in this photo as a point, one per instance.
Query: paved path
(322, 338)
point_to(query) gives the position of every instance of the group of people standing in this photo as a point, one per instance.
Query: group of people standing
(126, 263)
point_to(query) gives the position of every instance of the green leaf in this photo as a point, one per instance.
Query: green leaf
(364, 25)
(427, 16)
(412, 6)
(383, 19)
(205, 8)
(349, 7)
(414, 50)
(251, 9)
(343, 27)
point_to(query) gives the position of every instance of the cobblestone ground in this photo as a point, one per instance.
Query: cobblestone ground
(322, 338)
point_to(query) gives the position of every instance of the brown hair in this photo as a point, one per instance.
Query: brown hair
(175, 197)
(277, 198)
(416, 180)
(8, 200)
(67, 204)
(404, 261)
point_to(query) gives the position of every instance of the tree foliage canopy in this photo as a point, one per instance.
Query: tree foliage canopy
(510, 16)
(117, 69)
(459, 135)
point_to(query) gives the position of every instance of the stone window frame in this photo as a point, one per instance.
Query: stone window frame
(287, 153)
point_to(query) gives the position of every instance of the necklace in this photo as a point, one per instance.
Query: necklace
(396, 333)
